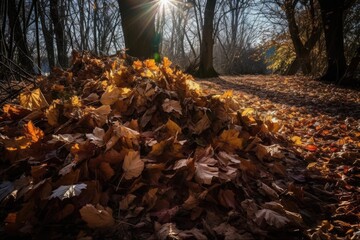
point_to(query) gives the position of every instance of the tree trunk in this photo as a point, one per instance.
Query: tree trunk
(302, 53)
(206, 68)
(59, 33)
(24, 56)
(138, 22)
(48, 36)
(332, 18)
(350, 74)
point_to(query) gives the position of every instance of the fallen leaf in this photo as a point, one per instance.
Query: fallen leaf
(32, 132)
(68, 191)
(270, 217)
(111, 95)
(97, 217)
(133, 165)
(171, 106)
(33, 99)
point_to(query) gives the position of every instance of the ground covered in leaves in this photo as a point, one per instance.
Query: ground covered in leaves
(120, 149)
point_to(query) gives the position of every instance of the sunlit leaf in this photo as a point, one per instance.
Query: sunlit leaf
(68, 191)
(33, 99)
(32, 132)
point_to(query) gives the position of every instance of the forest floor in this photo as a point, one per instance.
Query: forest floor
(323, 121)
(111, 149)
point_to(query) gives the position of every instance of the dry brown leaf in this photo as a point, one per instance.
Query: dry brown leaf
(133, 165)
(97, 137)
(270, 217)
(106, 170)
(206, 170)
(126, 201)
(97, 217)
(172, 106)
(111, 95)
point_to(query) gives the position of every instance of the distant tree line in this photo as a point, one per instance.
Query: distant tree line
(205, 37)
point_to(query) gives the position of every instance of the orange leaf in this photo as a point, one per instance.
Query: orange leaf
(32, 132)
(311, 148)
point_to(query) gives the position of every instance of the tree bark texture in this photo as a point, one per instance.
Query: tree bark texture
(206, 68)
(332, 18)
(59, 30)
(138, 22)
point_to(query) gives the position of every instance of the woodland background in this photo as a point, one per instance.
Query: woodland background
(241, 36)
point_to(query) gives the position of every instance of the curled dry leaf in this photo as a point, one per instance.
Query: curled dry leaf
(68, 191)
(97, 217)
(133, 165)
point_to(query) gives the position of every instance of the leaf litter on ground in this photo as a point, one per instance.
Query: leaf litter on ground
(129, 149)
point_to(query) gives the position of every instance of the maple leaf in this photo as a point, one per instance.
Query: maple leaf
(270, 217)
(97, 217)
(171, 106)
(133, 165)
(205, 169)
(229, 140)
(32, 132)
(68, 191)
(111, 95)
(33, 99)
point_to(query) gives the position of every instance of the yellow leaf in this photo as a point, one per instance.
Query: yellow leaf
(166, 62)
(33, 100)
(151, 65)
(32, 132)
(75, 101)
(111, 95)
(296, 140)
(247, 112)
(229, 140)
(132, 166)
(52, 114)
(228, 94)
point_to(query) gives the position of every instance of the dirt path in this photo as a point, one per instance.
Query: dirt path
(323, 122)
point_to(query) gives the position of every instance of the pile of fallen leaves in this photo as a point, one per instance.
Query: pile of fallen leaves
(123, 149)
